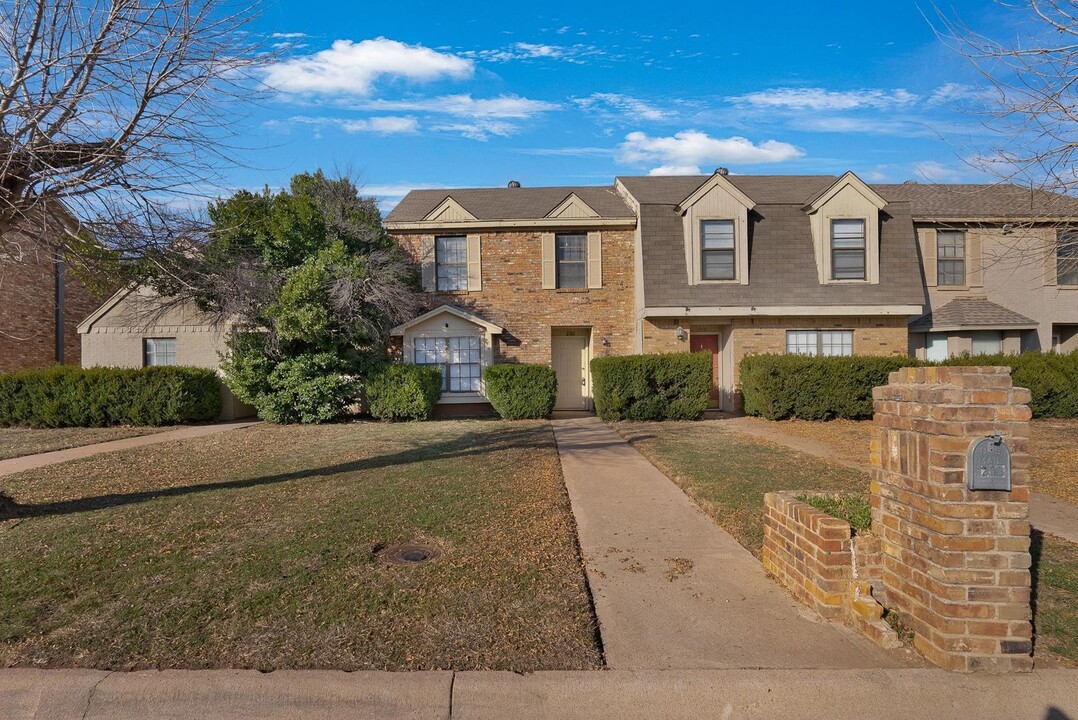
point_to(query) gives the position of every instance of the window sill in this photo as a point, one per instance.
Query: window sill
(449, 398)
(733, 281)
(571, 290)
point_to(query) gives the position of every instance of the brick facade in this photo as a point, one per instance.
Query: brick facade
(956, 562)
(819, 559)
(28, 278)
(513, 296)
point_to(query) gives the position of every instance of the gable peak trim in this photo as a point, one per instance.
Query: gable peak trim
(451, 207)
(572, 202)
(451, 310)
(848, 179)
(717, 179)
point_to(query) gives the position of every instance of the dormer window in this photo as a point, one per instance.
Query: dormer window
(717, 250)
(848, 249)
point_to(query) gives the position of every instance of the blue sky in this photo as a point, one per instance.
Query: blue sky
(409, 95)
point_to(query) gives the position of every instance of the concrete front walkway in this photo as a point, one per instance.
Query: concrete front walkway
(591, 695)
(30, 462)
(672, 589)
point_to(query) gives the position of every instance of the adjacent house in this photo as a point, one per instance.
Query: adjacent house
(729, 264)
(134, 328)
(41, 301)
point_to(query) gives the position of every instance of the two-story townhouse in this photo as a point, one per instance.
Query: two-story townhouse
(1000, 268)
(730, 264)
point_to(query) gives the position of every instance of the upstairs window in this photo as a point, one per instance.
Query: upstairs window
(1067, 258)
(950, 257)
(571, 259)
(717, 250)
(459, 358)
(158, 351)
(819, 342)
(451, 262)
(848, 249)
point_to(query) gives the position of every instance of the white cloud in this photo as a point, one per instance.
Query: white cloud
(905, 127)
(937, 172)
(383, 125)
(950, 93)
(821, 99)
(536, 51)
(502, 106)
(684, 152)
(349, 67)
(634, 108)
(478, 129)
(288, 35)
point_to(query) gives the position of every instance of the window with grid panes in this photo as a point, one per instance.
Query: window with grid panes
(459, 358)
(1067, 258)
(571, 257)
(158, 351)
(451, 262)
(950, 257)
(819, 342)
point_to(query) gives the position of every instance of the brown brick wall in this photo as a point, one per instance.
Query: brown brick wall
(28, 308)
(956, 562)
(513, 296)
(819, 560)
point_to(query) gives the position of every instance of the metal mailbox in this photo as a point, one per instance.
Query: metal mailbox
(989, 466)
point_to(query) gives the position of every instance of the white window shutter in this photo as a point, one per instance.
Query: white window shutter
(595, 260)
(475, 263)
(549, 274)
(928, 253)
(427, 263)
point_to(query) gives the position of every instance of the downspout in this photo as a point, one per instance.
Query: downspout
(59, 269)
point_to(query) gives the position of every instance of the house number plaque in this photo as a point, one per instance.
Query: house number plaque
(989, 466)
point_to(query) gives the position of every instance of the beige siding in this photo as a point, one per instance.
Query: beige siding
(849, 204)
(595, 260)
(717, 204)
(475, 263)
(549, 270)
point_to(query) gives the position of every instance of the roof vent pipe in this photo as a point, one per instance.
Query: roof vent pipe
(513, 184)
(722, 171)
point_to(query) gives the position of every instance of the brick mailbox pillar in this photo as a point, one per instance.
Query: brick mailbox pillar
(955, 561)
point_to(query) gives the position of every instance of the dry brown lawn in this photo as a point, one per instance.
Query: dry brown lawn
(257, 548)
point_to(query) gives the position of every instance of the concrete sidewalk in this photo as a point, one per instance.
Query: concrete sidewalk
(672, 589)
(594, 695)
(30, 462)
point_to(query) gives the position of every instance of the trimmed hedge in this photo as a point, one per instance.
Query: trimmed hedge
(1052, 379)
(519, 392)
(814, 388)
(65, 396)
(820, 388)
(674, 386)
(404, 392)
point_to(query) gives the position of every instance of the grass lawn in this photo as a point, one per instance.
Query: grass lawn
(728, 472)
(16, 442)
(256, 548)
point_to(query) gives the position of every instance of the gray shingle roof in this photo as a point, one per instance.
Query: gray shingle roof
(980, 201)
(763, 189)
(510, 203)
(970, 313)
(782, 265)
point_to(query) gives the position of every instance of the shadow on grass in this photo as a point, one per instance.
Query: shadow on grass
(466, 445)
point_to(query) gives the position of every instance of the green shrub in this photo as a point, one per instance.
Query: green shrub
(518, 392)
(854, 509)
(673, 386)
(307, 388)
(1052, 379)
(814, 388)
(64, 396)
(820, 388)
(404, 392)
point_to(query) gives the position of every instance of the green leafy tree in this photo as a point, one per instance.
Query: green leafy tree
(312, 283)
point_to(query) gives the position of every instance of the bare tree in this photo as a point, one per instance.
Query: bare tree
(111, 111)
(1028, 100)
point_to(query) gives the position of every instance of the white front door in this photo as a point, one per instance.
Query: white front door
(569, 355)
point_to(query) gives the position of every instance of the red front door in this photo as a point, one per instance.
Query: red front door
(711, 344)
